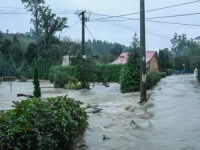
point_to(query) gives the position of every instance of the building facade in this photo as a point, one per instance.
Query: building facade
(151, 60)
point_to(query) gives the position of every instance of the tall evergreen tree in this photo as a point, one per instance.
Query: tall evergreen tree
(130, 75)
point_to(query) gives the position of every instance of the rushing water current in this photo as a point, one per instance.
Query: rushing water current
(170, 120)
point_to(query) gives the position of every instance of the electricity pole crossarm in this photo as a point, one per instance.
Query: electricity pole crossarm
(142, 53)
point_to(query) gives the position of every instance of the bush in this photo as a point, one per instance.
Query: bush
(36, 83)
(43, 67)
(22, 79)
(168, 71)
(51, 74)
(109, 73)
(163, 74)
(24, 70)
(152, 78)
(86, 72)
(1, 80)
(73, 84)
(42, 124)
(60, 79)
(93, 73)
(54, 71)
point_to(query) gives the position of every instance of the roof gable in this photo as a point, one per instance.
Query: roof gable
(123, 57)
(149, 55)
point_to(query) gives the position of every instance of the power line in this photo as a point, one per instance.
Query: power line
(70, 27)
(128, 19)
(164, 33)
(135, 29)
(145, 11)
(173, 6)
(89, 32)
(11, 13)
(180, 15)
(50, 8)
(115, 16)
(151, 31)
(184, 24)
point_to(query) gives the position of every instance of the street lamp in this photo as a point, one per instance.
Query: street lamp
(184, 59)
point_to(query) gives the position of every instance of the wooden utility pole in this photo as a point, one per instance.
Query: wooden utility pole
(142, 53)
(83, 50)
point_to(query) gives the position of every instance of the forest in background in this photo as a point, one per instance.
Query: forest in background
(21, 48)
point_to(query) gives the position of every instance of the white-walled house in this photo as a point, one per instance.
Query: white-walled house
(65, 60)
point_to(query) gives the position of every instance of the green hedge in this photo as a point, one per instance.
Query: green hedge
(108, 73)
(24, 70)
(94, 73)
(43, 67)
(1, 80)
(153, 78)
(65, 70)
(163, 74)
(42, 124)
(168, 71)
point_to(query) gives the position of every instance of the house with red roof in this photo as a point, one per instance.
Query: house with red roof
(151, 60)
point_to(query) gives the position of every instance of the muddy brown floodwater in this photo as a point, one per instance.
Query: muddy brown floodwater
(170, 120)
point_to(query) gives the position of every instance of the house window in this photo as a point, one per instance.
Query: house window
(154, 59)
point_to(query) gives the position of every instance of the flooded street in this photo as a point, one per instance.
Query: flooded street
(176, 120)
(170, 120)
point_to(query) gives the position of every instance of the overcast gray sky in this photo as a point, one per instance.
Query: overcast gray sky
(157, 35)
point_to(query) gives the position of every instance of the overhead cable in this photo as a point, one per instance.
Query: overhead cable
(128, 19)
(148, 10)
(70, 27)
(89, 32)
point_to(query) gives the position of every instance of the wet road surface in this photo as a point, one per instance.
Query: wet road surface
(175, 123)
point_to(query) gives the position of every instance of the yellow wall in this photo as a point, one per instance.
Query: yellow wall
(152, 64)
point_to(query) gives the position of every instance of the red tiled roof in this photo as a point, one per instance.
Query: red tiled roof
(123, 57)
(149, 55)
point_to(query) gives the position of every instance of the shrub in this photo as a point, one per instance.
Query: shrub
(22, 79)
(43, 67)
(73, 84)
(93, 73)
(152, 78)
(163, 74)
(25, 70)
(1, 80)
(70, 71)
(60, 79)
(36, 82)
(109, 73)
(86, 72)
(50, 123)
(168, 71)
(51, 74)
